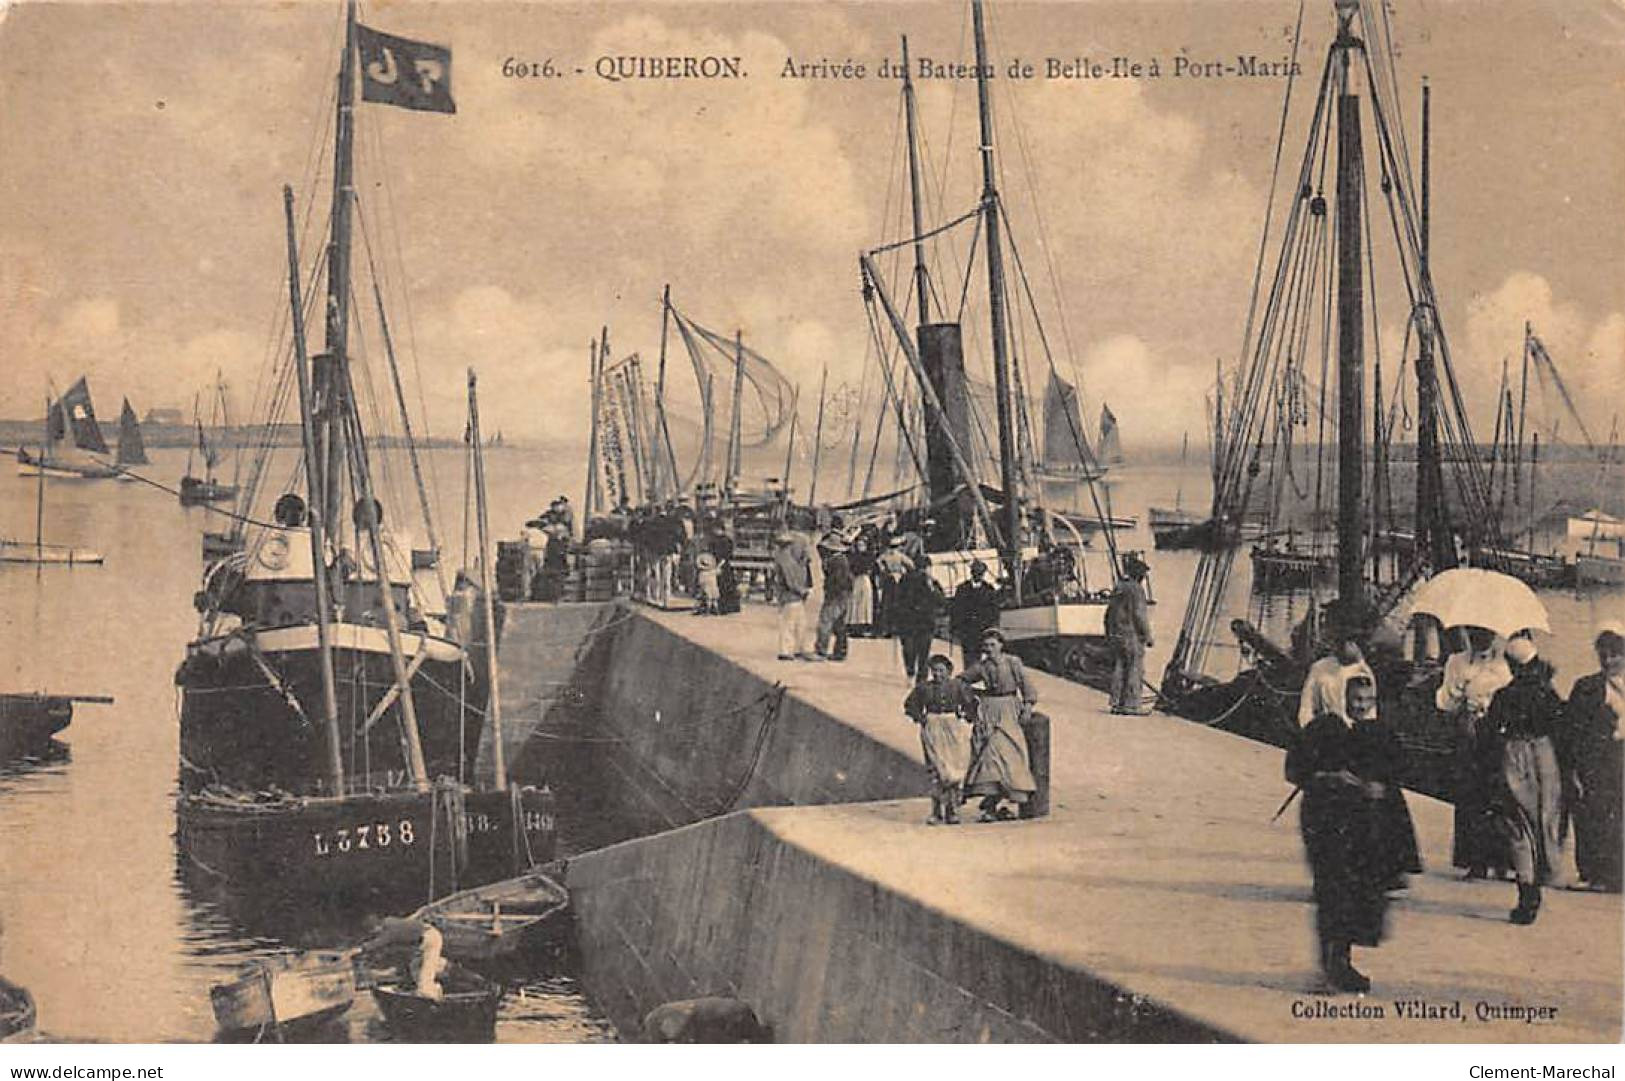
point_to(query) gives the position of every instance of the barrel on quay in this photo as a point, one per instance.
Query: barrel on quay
(790, 866)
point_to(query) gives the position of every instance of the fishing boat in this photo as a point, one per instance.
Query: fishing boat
(332, 702)
(74, 448)
(132, 449)
(1054, 617)
(17, 1013)
(29, 720)
(286, 993)
(1596, 523)
(501, 921)
(40, 552)
(1063, 459)
(196, 490)
(1245, 674)
(466, 1012)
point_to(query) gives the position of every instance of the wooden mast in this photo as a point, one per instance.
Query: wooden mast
(314, 520)
(1433, 540)
(735, 450)
(922, 283)
(669, 454)
(493, 707)
(1350, 324)
(411, 443)
(790, 441)
(589, 502)
(995, 287)
(818, 440)
(39, 492)
(332, 380)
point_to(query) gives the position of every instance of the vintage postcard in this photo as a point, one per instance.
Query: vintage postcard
(780, 522)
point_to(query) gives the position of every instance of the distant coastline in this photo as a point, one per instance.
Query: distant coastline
(26, 433)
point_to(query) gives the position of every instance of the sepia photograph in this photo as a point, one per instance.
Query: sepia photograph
(765, 521)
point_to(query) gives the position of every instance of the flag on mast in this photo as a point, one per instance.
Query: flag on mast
(400, 71)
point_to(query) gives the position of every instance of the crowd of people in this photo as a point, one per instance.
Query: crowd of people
(1530, 770)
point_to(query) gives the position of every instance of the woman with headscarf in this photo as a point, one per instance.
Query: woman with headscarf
(860, 610)
(1471, 678)
(1592, 755)
(1523, 715)
(999, 769)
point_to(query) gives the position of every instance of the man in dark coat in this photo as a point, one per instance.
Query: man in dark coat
(974, 611)
(916, 603)
(837, 595)
(1128, 631)
(1591, 754)
(1346, 770)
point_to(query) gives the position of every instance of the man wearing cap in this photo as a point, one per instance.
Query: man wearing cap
(891, 564)
(837, 595)
(917, 602)
(792, 582)
(1128, 631)
(1525, 714)
(1595, 728)
(975, 609)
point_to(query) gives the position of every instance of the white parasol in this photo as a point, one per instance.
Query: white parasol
(1470, 597)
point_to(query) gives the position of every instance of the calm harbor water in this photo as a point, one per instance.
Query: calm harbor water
(98, 919)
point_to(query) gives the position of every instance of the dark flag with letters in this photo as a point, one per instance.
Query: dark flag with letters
(398, 71)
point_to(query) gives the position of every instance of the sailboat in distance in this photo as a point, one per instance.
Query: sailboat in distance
(132, 449)
(74, 448)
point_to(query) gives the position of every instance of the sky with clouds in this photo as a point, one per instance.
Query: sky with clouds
(143, 149)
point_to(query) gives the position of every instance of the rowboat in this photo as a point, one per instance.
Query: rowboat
(465, 1013)
(12, 551)
(17, 1015)
(300, 989)
(498, 921)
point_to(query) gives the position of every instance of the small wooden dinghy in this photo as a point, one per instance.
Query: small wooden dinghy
(17, 1015)
(465, 1013)
(500, 920)
(14, 551)
(304, 989)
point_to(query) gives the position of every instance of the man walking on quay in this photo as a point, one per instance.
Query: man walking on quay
(792, 582)
(1346, 769)
(837, 595)
(917, 601)
(973, 611)
(1128, 631)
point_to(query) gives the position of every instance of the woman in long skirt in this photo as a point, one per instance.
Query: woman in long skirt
(1524, 714)
(999, 770)
(860, 610)
(942, 706)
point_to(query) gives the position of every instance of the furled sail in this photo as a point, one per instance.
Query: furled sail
(131, 449)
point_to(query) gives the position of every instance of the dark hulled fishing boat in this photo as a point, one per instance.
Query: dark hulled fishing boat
(330, 715)
(1302, 317)
(196, 490)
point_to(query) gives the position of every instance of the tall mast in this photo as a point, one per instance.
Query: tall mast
(589, 502)
(1523, 406)
(39, 491)
(314, 520)
(735, 450)
(818, 440)
(921, 282)
(332, 384)
(790, 440)
(1433, 539)
(995, 289)
(493, 707)
(1350, 323)
(668, 455)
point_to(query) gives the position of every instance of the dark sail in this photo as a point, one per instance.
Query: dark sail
(1111, 444)
(131, 449)
(1066, 449)
(74, 409)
